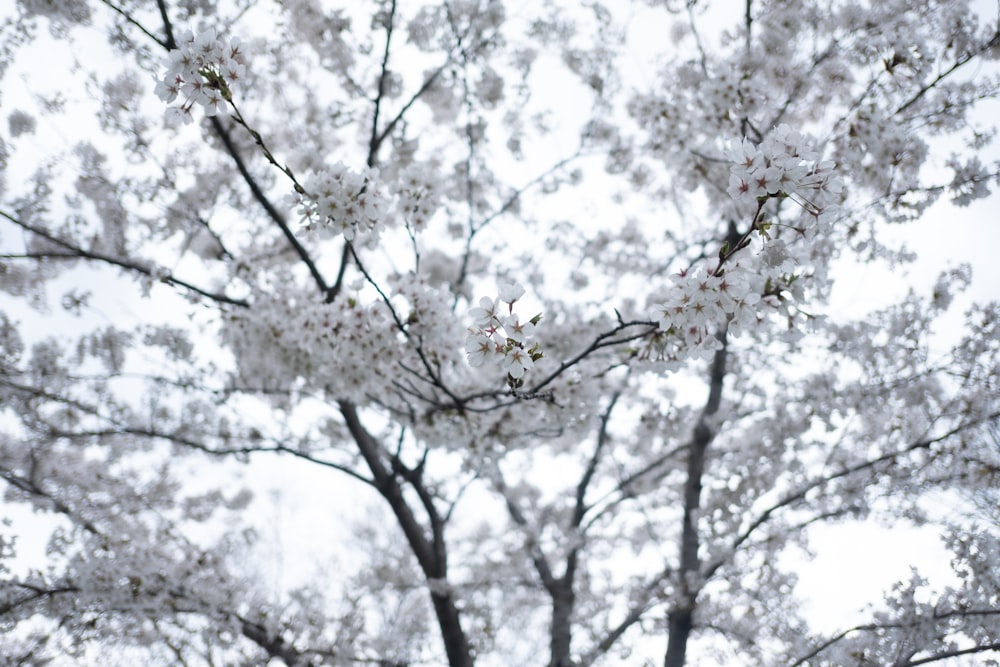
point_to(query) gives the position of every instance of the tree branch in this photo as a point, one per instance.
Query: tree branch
(175, 438)
(276, 217)
(800, 494)
(75, 252)
(128, 17)
(954, 653)
(37, 593)
(375, 141)
(959, 62)
(875, 627)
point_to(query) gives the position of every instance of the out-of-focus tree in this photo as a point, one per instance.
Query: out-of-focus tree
(546, 282)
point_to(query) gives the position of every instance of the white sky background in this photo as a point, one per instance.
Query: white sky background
(297, 501)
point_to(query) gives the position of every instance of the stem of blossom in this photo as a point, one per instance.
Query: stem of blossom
(259, 140)
(736, 241)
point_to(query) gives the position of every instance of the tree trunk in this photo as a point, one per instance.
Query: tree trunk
(561, 632)
(680, 619)
(431, 553)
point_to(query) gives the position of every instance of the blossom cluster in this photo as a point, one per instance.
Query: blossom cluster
(294, 337)
(338, 200)
(783, 165)
(699, 300)
(764, 271)
(202, 70)
(419, 195)
(503, 339)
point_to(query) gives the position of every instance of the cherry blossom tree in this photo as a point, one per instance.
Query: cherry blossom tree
(546, 286)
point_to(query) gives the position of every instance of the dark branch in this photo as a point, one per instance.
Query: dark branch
(75, 252)
(963, 60)
(799, 495)
(128, 17)
(375, 142)
(272, 212)
(877, 627)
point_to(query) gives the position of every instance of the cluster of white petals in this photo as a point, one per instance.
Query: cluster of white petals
(337, 347)
(783, 165)
(698, 301)
(201, 71)
(419, 195)
(501, 338)
(737, 292)
(338, 200)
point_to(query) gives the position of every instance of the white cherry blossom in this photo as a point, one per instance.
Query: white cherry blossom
(321, 297)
